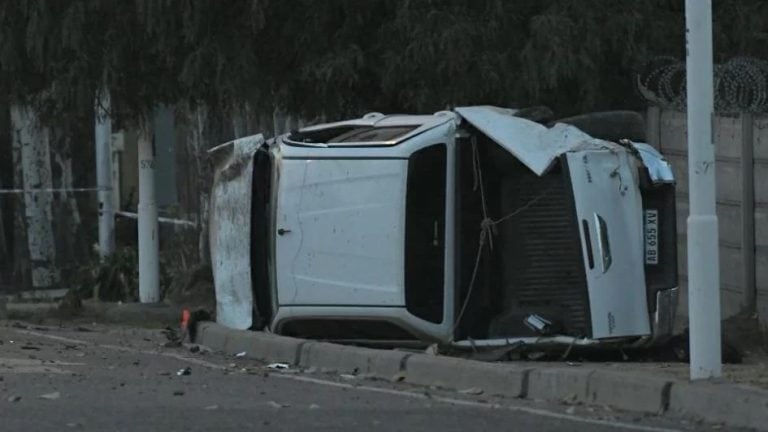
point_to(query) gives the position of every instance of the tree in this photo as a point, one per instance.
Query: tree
(219, 61)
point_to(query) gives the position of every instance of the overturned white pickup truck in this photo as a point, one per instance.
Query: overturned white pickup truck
(465, 227)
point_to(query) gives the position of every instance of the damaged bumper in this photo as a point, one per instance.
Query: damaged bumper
(663, 324)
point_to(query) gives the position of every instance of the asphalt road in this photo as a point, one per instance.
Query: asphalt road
(102, 378)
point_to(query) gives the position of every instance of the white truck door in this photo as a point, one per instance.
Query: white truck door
(340, 232)
(609, 212)
(230, 230)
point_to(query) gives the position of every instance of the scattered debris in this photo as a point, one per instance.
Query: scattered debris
(241, 354)
(255, 371)
(398, 377)
(50, 396)
(472, 391)
(178, 393)
(348, 376)
(278, 366)
(538, 324)
(571, 410)
(274, 404)
(211, 407)
(174, 340)
(432, 350)
(14, 398)
(535, 355)
(184, 371)
(314, 406)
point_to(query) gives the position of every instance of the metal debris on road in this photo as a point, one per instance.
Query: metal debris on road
(211, 407)
(278, 366)
(472, 391)
(184, 371)
(174, 340)
(274, 404)
(432, 350)
(571, 410)
(314, 406)
(348, 376)
(241, 354)
(398, 377)
(50, 396)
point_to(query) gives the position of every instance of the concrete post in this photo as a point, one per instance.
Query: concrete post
(703, 252)
(103, 136)
(149, 260)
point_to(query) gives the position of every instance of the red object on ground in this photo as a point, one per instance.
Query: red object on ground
(184, 319)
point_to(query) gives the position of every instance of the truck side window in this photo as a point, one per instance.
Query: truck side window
(425, 233)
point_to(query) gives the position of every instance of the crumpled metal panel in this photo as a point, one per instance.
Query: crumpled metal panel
(230, 230)
(533, 144)
(659, 168)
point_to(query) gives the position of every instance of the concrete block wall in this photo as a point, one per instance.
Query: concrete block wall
(739, 138)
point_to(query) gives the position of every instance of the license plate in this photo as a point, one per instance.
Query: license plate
(651, 223)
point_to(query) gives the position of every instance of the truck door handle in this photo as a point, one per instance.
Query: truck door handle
(603, 242)
(588, 244)
(282, 231)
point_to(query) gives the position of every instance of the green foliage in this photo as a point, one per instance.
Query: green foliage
(342, 57)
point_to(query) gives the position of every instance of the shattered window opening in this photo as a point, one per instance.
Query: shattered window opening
(351, 134)
(425, 233)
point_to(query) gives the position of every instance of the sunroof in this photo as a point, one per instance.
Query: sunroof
(352, 134)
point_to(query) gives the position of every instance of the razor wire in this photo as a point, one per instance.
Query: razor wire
(740, 84)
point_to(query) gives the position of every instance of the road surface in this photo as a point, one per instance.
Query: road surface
(110, 378)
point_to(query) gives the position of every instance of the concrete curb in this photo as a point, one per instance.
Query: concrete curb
(733, 405)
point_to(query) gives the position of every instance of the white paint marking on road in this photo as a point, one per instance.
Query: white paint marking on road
(414, 395)
(124, 349)
(33, 366)
(166, 354)
(474, 404)
(54, 337)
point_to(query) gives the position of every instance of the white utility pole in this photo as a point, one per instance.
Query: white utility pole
(103, 136)
(149, 260)
(703, 253)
